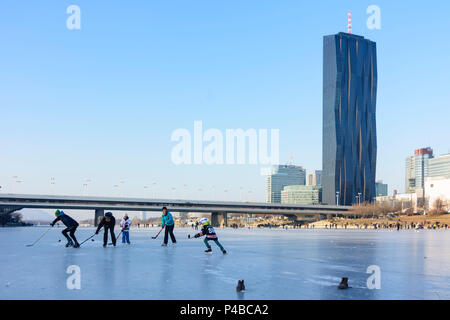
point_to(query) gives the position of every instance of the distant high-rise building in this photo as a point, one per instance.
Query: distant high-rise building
(314, 179)
(282, 176)
(309, 179)
(417, 169)
(349, 122)
(143, 215)
(301, 195)
(381, 189)
(410, 175)
(439, 166)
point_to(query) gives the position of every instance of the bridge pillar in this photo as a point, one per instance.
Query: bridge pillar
(99, 213)
(219, 219)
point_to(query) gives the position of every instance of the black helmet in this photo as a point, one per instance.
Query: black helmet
(108, 214)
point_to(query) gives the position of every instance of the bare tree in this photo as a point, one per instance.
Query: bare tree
(438, 208)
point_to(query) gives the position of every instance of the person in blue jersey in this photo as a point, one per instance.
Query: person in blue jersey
(168, 223)
(210, 235)
(71, 227)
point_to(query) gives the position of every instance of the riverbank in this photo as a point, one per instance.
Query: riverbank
(405, 222)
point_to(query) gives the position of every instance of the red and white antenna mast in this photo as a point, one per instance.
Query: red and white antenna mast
(291, 158)
(349, 26)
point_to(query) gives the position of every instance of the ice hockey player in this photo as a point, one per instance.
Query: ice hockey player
(71, 227)
(169, 224)
(208, 231)
(125, 225)
(108, 222)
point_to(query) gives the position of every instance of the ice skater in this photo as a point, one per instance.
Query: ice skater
(208, 231)
(108, 222)
(71, 227)
(169, 224)
(125, 225)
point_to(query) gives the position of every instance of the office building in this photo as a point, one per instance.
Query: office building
(381, 189)
(437, 193)
(349, 119)
(307, 195)
(282, 176)
(416, 170)
(439, 166)
(314, 178)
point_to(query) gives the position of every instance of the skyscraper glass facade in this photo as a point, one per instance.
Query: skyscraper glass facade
(421, 165)
(417, 168)
(439, 166)
(282, 176)
(410, 175)
(349, 122)
(381, 189)
(314, 179)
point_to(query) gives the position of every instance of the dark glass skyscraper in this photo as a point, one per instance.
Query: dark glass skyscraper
(349, 124)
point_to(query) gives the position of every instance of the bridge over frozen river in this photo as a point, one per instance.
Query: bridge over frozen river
(218, 209)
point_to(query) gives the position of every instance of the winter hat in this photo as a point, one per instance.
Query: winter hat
(204, 221)
(57, 212)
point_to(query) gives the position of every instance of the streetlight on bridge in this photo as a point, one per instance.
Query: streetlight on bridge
(122, 182)
(173, 192)
(185, 191)
(18, 184)
(153, 189)
(52, 185)
(213, 192)
(145, 189)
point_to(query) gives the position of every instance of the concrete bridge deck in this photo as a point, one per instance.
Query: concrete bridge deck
(218, 209)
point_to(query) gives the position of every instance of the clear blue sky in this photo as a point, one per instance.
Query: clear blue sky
(101, 103)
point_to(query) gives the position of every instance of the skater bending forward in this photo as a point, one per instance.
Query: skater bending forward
(71, 227)
(208, 231)
(108, 222)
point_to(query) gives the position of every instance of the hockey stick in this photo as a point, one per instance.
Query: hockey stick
(110, 244)
(88, 239)
(158, 233)
(30, 245)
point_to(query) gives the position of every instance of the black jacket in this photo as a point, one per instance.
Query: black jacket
(207, 231)
(68, 221)
(108, 224)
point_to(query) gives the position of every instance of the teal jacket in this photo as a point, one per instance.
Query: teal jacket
(167, 220)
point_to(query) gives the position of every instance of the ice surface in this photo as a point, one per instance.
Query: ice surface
(275, 264)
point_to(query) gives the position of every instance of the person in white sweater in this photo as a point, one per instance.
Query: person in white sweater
(125, 225)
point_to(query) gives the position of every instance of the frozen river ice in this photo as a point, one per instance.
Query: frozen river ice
(275, 264)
